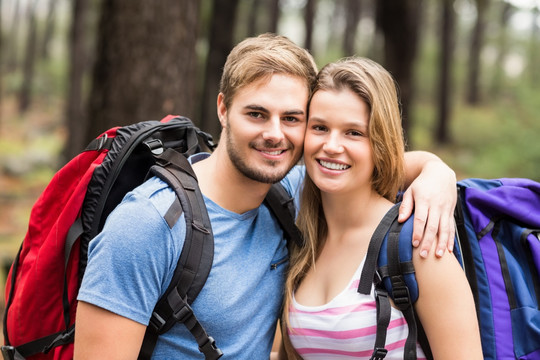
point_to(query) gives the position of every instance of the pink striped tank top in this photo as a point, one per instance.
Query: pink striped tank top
(345, 328)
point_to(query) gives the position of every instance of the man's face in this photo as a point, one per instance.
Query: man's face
(264, 127)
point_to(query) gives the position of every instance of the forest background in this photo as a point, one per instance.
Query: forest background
(468, 73)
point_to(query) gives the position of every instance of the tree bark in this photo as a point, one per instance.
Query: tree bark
(399, 22)
(475, 50)
(220, 44)
(309, 19)
(49, 29)
(274, 12)
(252, 28)
(352, 18)
(76, 119)
(506, 13)
(533, 54)
(445, 72)
(146, 62)
(25, 94)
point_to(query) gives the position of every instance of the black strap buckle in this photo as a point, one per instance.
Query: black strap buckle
(401, 296)
(210, 350)
(379, 354)
(10, 353)
(62, 339)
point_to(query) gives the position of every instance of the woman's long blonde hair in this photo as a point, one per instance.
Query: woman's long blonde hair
(376, 87)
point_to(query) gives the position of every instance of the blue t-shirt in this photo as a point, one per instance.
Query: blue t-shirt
(131, 263)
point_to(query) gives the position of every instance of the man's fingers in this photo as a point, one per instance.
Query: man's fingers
(406, 207)
(419, 225)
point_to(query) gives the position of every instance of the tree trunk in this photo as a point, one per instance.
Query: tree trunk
(445, 72)
(254, 10)
(309, 19)
(146, 62)
(25, 94)
(12, 61)
(497, 84)
(475, 50)
(352, 18)
(534, 54)
(220, 44)
(399, 22)
(273, 11)
(76, 119)
(49, 29)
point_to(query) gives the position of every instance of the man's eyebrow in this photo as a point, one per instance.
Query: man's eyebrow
(294, 112)
(265, 110)
(257, 108)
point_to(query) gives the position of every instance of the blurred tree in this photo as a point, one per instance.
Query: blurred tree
(507, 9)
(309, 19)
(352, 18)
(254, 10)
(220, 43)
(442, 135)
(534, 61)
(49, 29)
(274, 12)
(475, 50)
(11, 60)
(25, 93)
(399, 21)
(76, 120)
(146, 62)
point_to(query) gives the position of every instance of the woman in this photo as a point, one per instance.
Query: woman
(353, 154)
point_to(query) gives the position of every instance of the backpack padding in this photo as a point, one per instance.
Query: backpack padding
(195, 259)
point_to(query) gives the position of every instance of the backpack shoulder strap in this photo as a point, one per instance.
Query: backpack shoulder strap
(195, 259)
(282, 206)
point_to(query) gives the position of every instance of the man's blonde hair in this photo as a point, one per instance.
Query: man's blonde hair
(262, 56)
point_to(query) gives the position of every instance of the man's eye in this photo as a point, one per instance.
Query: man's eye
(255, 114)
(290, 119)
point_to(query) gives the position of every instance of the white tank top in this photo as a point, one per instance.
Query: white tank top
(345, 328)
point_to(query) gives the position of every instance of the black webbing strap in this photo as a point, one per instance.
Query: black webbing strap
(530, 260)
(9, 300)
(370, 266)
(384, 314)
(400, 291)
(282, 206)
(41, 345)
(194, 263)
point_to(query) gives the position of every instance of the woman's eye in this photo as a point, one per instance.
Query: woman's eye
(356, 133)
(318, 128)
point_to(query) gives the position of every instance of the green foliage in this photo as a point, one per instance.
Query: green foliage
(497, 139)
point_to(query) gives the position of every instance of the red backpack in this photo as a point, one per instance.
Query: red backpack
(43, 283)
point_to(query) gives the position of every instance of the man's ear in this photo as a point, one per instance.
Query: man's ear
(222, 110)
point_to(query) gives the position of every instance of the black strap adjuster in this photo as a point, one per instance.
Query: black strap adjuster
(401, 296)
(210, 350)
(379, 354)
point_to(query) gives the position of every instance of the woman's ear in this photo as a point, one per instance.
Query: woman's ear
(222, 110)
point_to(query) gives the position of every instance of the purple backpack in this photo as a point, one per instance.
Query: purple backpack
(498, 245)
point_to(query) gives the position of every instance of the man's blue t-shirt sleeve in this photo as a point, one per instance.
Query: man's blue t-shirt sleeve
(293, 183)
(125, 272)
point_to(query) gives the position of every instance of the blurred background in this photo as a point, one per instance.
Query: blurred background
(468, 74)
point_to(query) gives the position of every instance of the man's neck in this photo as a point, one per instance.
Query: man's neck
(221, 182)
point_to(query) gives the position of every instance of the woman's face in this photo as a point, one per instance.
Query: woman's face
(337, 151)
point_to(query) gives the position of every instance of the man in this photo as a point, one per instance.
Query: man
(262, 105)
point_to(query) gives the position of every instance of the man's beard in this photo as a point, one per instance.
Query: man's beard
(251, 172)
